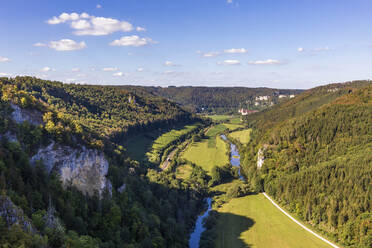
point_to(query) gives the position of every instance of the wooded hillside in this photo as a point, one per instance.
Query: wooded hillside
(317, 159)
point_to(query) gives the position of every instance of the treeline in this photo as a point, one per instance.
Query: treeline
(213, 100)
(105, 110)
(317, 160)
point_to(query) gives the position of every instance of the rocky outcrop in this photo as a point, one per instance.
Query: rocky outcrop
(260, 158)
(20, 115)
(86, 169)
(12, 214)
(121, 189)
(9, 136)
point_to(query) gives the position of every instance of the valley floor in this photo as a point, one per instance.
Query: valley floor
(249, 221)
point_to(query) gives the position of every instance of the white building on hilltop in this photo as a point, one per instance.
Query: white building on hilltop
(262, 98)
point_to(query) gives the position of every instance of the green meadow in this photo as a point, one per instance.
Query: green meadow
(184, 171)
(243, 136)
(209, 152)
(252, 221)
(232, 126)
(219, 117)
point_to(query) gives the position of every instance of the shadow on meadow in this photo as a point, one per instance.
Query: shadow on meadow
(224, 230)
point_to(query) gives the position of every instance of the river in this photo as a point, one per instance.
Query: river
(199, 228)
(234, 155)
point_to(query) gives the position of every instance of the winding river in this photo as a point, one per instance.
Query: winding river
(199, 228)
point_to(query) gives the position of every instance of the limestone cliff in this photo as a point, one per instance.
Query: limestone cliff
(260, 158)
(86, 169)
(20, 115)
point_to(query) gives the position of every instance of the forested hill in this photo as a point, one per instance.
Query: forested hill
(315, 152)
(67, 181)
(305, 102)
(103, 110)
(220, 99)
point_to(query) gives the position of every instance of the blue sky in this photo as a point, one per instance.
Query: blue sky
(252, 43)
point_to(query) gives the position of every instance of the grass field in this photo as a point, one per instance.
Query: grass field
(219, 117)
(148, 146)
(232, 126)
(243, 136)
(252, 221)
(213, 131)
(233, 119)
(184, 171)
(210, 151)
(236, 120)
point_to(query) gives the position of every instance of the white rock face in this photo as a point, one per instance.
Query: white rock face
(260, 158)
(12, 214)
(20, 115)
(83, 168)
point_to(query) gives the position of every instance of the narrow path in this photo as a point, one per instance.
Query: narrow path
(297, 222)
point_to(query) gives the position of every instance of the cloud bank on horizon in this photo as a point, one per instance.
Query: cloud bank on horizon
(243, 43)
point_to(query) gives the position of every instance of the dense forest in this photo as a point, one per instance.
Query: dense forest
(142, 208)
(217, 100)
(316, 153)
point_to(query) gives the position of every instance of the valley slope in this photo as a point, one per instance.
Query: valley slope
(315, 159)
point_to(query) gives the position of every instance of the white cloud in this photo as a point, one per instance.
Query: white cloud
(85, 24)
(169, 63)
(118, 74)
(75, 69)
(110, 69)
(4, 59)
(133, 40)
(105, 26)
(3, 74)
(39, 44)
(67, 45)
(140, 69)
(321, 49)
(265, 62)
(141, 29)
(229, 62)
(64, 17)
(84, 15)
(211, 54)
(98, 6)
(47, 69)
(236, 50)
(300, 49)
(80, 24)
(229, 1)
